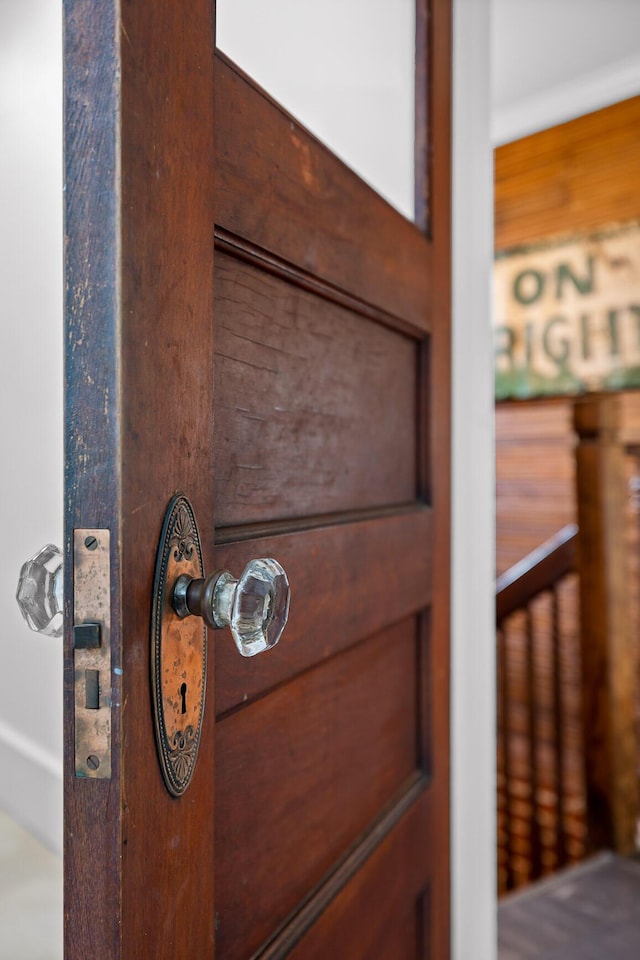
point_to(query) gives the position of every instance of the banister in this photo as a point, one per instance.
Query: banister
(532, 754)
(536, 572)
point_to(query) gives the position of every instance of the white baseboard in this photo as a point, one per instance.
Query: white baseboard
(566, 101)
(31, 786)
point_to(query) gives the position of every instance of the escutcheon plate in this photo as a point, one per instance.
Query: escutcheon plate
(178, 650)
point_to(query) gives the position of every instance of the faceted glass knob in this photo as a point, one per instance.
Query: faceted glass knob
(255, 607)
(39, 592)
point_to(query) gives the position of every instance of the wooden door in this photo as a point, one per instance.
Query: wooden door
(250, 324)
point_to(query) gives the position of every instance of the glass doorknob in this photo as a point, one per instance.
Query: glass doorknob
(255, 607)
(39, 592)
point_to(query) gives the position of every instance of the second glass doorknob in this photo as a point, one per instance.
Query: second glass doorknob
(255, 607)
(39, 592)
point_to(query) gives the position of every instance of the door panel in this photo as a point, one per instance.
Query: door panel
(294, 384)
(333, 608)
(314, 405)
(379, 900)
(302, 773)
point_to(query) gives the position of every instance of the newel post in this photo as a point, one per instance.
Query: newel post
(608, 647)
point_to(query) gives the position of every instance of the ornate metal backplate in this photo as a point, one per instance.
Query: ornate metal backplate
(178, 651)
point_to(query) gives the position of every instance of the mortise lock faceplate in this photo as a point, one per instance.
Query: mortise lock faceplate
(92, 653)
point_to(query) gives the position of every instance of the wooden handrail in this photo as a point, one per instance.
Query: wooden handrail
(538, 571)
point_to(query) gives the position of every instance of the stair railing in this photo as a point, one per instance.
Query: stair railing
(538, 830)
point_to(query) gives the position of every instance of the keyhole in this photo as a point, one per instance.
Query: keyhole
(183, 694)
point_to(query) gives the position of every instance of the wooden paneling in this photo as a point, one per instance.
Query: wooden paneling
(577, 176)
(534, 476)
(343, 738)
(304, 422)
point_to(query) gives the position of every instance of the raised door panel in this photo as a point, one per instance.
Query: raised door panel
(314, 405)
(302, 773)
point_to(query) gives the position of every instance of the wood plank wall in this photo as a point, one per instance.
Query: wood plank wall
(534, 476)
(574, 177)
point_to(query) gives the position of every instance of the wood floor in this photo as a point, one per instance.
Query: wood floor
(589, 912)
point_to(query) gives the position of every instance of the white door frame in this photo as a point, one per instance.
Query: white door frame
(473, 743)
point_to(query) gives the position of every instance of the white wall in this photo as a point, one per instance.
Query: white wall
(557, 59)
(30, 401)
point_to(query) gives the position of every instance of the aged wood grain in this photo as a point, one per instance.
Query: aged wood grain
(302, 412)
(362, 577)
(342, 739)
(139, 359)
(91, 807)
(315, 906)
(404, 921)
(167, 278)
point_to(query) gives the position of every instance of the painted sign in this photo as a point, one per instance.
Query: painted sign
(567, 315)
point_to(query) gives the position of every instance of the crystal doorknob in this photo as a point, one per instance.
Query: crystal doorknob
(255, 607)
(39, 592)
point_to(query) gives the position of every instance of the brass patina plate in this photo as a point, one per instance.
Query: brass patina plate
(178, 650)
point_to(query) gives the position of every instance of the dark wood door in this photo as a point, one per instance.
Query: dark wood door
(249, 323)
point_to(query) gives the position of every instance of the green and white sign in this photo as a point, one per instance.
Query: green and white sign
(567, 315)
